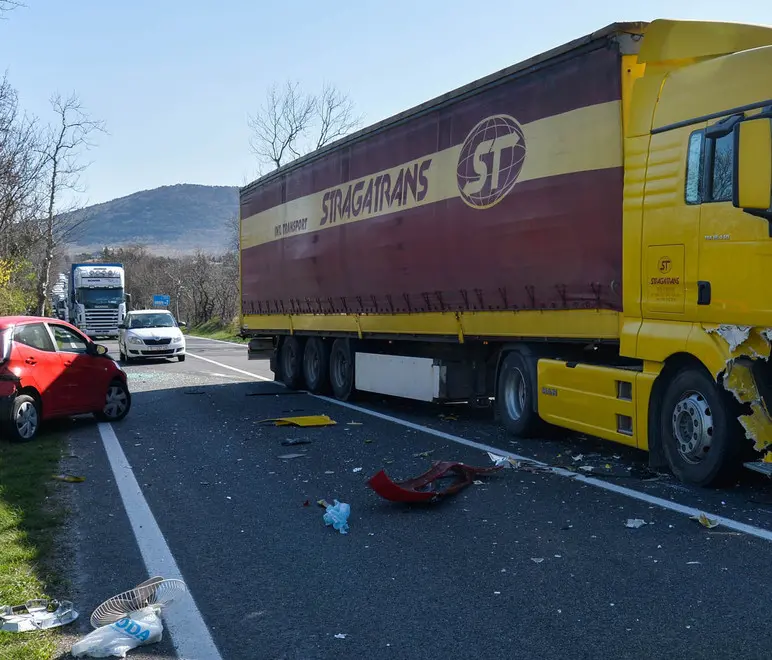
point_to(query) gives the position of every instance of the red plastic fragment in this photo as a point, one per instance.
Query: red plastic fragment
(413, 490)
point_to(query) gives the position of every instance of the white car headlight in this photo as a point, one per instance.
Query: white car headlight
(133, 339)
(177, 340)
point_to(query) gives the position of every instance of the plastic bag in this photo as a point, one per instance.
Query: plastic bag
(337, 516)
(137, 629)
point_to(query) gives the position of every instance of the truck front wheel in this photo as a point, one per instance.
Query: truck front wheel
(342, 369)
(701, 437)
(514, 397)
(291, 357)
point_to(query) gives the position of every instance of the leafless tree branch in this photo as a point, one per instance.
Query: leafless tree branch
(62, 153)
(291, 123)
(335, 114)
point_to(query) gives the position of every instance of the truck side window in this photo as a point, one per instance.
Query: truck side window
(694, 162)
(721, 168)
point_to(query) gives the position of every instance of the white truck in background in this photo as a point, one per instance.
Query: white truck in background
(59, 298)
(96, 298)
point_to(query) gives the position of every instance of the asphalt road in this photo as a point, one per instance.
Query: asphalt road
(523, 565)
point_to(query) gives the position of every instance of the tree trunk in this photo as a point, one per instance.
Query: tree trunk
(44, 281)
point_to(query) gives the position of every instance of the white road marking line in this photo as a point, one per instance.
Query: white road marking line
(219, 341)
(190, 634)
(592, 481)
(241, 371)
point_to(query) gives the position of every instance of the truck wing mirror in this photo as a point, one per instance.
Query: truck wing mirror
(753, 166)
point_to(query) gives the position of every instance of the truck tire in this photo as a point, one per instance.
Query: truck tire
(342, 369)
(291, 357)
(316, 365)
(701, 437)
(514, 397)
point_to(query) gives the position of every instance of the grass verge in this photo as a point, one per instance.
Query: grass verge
(216, 329)
(29, 523)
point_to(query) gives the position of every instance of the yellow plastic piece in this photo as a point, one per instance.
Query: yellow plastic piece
(308, 420)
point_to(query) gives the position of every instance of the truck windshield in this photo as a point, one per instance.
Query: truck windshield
(159, 320)
(94, 297)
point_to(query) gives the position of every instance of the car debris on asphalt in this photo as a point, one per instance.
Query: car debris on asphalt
(295, 441)
(287, 457)
(129, 620)
(337, 515)
(415, 490)
(635, 523)
(705, 521)
(68, 478)
(37, 614)
(304, 420)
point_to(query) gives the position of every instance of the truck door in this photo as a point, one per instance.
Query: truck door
(735, 246)
(671, 224)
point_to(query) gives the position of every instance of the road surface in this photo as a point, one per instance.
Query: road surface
(526, 565)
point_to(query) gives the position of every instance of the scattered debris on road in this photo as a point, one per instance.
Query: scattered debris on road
(414, 490)
(635, 523)
(295, 441)
(69, 478)
(353, 423)
(306, 420)
(537, 560)
(38, 614)
(357, 469)
(280, 393)
(369, 441)
(423, 454)
(341, 636)
(337, 516)
(129, 620)
(703, 519)
(287, 457)
(448, 417)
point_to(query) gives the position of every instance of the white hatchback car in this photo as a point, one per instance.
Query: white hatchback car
(150, 333)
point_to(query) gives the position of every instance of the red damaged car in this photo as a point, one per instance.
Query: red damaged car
(48, 369)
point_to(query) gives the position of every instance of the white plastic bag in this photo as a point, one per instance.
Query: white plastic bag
(137, 629)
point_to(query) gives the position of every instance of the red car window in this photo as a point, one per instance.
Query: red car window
(67, 341)
(34, 335)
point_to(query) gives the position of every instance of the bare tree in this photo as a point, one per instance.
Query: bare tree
(335, 115)
(21, 171)
(66, 142)
(291, 123)
(8, 5)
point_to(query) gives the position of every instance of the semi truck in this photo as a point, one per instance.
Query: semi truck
(96, 298)
(582, 238)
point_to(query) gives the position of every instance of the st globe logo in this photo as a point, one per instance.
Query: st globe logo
(490, 161)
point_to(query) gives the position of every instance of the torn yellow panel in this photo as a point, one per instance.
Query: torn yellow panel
(758, 426)
(307, 420)
(739, 380)
(743, 340)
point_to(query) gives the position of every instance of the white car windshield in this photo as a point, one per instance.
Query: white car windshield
(159, 320)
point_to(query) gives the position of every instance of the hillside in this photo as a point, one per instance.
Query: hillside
(170, 219)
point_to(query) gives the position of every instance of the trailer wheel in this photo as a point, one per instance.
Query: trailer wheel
(701, 437)
(514, 397)
(316, 365)
(342, 369)
(292, 363)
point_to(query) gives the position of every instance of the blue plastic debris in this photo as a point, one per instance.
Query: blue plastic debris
(337, 516)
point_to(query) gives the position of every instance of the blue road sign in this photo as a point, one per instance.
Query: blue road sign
(161, 301)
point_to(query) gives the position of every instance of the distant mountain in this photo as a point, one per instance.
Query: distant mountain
(167, 220)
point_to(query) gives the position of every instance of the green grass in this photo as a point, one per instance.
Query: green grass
(216, 329)
(28, 528)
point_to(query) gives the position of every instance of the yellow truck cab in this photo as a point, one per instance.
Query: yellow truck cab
(584, 236)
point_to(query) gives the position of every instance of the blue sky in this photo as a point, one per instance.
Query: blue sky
(175, 80)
